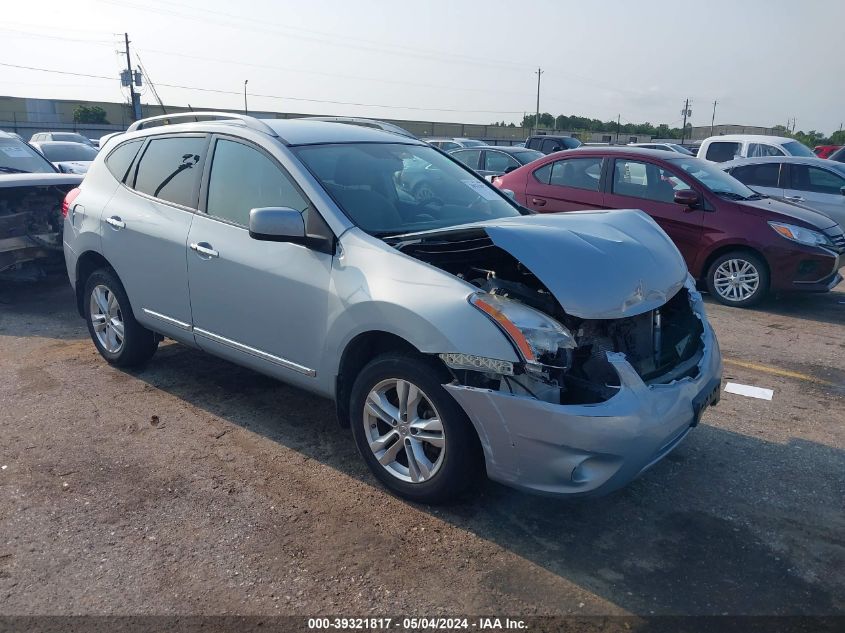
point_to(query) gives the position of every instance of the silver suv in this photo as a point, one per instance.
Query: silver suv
(563, 353)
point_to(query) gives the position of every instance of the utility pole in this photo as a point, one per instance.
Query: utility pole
(135, 97)
(537, 117)
(713, 120)
(246, 81)
(686, 112)
(618, 125)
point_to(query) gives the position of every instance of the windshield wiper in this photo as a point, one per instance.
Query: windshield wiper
(756, 196)
(13, 170)
(730, 194)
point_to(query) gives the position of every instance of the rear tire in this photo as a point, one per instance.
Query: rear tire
(425, 450)
(739, 279)
(119, 338)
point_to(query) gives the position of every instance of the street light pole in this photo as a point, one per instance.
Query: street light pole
(537, 117)
(246, 81)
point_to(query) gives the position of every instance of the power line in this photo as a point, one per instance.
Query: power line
(326, 38)
(268, 96)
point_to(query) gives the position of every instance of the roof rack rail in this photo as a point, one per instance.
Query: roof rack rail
(186, 117)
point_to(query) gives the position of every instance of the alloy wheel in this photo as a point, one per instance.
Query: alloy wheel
(736, 280)
(107, 319)
(404, 430)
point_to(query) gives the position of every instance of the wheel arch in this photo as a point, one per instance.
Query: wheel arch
(86, 264)
(358, 352)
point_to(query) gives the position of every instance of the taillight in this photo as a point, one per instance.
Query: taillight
(69, 198)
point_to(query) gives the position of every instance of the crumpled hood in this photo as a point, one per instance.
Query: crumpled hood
(598, 264)
(39, 180)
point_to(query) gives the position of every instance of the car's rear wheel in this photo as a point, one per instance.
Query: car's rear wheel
(119, 338)
(413, 435)
(739, 279)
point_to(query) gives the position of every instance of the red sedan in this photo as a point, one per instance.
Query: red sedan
(741, 244)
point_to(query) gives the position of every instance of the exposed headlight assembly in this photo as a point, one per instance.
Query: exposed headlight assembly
(532, 332)
(800, 234)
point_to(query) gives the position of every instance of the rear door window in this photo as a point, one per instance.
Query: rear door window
(721, 151)
(170, 169)
(645, 180)
(499, 161)
(817, 180)
(756, 150)
(581, 173)
(468, 157)
(243, 178)
(760, 175)
(551, 145)
(119, 160)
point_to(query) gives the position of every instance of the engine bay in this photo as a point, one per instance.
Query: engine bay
(662, 345)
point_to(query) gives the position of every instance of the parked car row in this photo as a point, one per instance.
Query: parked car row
(739, 243)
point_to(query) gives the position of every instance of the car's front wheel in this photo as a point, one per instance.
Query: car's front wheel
(413, 435)
(119, 338)
(739, 279)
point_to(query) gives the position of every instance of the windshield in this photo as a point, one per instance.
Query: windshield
(716, 180)
(16, 157)
(390, 189)
(528, 155)
(68, 151)
(794, 148)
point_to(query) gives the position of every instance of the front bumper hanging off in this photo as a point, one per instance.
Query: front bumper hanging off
(590, 449)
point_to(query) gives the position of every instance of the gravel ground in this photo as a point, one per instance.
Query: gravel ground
(198, 487)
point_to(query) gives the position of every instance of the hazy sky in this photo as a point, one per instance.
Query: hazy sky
(474, 62)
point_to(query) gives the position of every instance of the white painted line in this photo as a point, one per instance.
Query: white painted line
(748, 390)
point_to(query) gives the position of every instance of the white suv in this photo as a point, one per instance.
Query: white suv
(719, 149)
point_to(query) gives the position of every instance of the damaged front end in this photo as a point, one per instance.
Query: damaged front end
(31, 222)
(598, 396)
(565, 357)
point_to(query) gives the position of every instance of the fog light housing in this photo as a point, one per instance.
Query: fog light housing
(477, 363)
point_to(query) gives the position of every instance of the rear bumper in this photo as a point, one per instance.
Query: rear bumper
(579, 450)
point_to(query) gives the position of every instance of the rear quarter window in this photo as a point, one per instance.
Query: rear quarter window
(721, 151)
(119, 160)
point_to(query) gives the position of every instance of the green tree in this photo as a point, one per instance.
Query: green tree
(89, 114)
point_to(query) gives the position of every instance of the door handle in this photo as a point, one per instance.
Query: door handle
(116, 222)
(204, 248)
(538, 201)
(796, 198)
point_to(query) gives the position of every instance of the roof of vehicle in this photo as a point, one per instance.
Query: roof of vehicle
(372, 123)
(57, 143)
(749, 137)
(507, 149)
(793, 160)
(551, 136)
(310, 132)
(661, 154)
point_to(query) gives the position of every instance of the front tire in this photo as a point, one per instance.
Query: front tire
(739, 279)
(411, 433)
(119, 338)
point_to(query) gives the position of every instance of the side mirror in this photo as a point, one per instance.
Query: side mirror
(277, 224)
(687, 197)
(556, 148)
(842, 191)
(510, 169)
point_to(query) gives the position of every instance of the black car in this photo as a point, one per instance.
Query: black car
(495, 160)
(547, 143)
